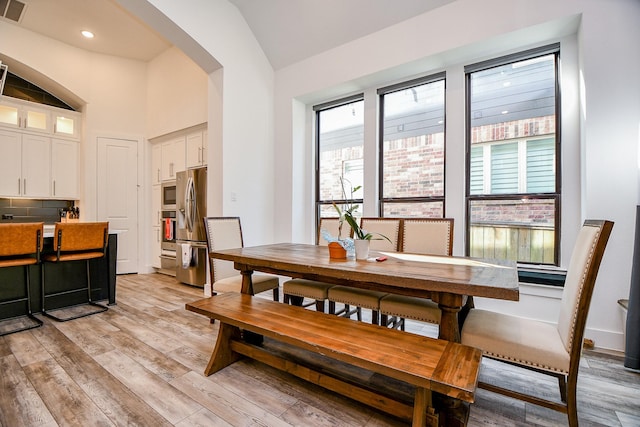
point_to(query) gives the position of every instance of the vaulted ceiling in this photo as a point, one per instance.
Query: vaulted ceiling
(287, 30)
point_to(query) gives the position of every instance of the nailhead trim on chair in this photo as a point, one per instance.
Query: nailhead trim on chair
(524, 362)
(574, 318)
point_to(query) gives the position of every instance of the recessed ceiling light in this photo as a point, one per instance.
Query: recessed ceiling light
(87, 34)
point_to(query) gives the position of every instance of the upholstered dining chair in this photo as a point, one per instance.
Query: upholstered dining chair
(550, 349)
(226, 233)
(73, 242)
(20, 246)
(296, 290)
(364, 298)
(424, 236)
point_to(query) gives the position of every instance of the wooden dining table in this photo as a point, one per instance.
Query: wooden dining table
(447, 280)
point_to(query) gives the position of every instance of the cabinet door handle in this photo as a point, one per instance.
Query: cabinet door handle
(25, 186)
(18, 185)
(158, 174)
(54, 187)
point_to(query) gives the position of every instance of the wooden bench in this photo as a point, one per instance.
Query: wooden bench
(427, 364)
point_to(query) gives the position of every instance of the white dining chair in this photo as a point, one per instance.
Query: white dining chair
(226, 233)
(425, 236)
(364, 298)
(552, 349)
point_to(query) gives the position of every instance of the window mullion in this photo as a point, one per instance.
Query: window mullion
(486, 161)
(522, 166)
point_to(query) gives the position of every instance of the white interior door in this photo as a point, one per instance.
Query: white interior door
(117, 196)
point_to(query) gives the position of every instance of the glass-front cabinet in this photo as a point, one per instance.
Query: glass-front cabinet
(40, 150)
(27, 117)
(66, 124)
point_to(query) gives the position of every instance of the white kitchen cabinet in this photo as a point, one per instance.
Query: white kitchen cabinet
(25, 116)
(10, 163)
(17, 114)
(25, 165)
(156, 243)
(196, 149)
(156, 205)
(156, 164)
(64, 169)
(36, 166)
(66, 123)
(173, 158)
(156, 225)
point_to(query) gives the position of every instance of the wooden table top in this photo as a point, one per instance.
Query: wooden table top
(401, 273)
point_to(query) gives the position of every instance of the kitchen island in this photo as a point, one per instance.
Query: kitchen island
(60, 277)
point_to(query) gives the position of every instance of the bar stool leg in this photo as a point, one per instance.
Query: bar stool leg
(30, 315)
(29, 311)
(90, 300)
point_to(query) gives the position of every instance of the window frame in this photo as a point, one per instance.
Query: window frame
(381, 92)
(318, 109)
(555, 196)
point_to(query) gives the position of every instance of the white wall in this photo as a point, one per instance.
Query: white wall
(177, 95)
(110, 90)
(242, 155)
(600, 143)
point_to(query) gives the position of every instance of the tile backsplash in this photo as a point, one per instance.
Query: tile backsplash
(32, 210)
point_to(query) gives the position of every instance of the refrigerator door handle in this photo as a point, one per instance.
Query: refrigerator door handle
(188, 202)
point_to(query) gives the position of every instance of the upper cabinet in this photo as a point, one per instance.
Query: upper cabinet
(156, 164)
(25, 165)
(66, 124)
(64, 169)
(16, 115)
(30, 117)
(40, 150)
(172, 158)
(176, 152)
(197, 149)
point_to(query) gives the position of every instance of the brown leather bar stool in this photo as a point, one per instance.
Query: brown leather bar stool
(20, 245)
(81, 241)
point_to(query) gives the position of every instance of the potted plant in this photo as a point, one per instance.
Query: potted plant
(361, 236)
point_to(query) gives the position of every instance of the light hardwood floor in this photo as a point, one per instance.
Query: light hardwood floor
(141, 363)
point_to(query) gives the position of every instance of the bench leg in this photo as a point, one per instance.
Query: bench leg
(423, 412)
(222, 355)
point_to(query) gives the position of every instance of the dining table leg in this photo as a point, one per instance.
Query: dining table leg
(450, 305)
(247, 285)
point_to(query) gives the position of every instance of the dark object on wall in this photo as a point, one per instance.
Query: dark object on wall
(632, 345)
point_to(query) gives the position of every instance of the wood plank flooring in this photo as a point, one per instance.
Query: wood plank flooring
(141, 364)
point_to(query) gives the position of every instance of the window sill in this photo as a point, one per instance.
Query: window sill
(542, 275)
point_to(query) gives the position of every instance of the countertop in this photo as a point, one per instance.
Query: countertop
(49, 229)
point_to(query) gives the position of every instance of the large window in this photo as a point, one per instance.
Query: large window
(340, 149)
(513, 141)
(412, 148)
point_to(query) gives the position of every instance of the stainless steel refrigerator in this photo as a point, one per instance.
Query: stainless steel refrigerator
(191, 240)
